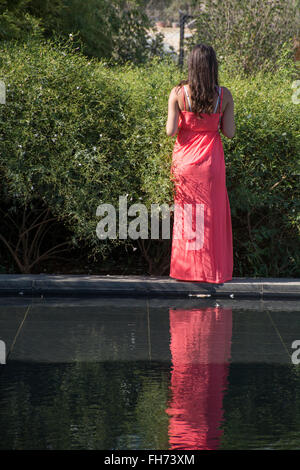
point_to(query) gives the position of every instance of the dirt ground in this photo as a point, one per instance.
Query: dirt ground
(172, 35)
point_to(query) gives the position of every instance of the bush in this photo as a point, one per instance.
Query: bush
(76, 133)
(61, 140)
(263, 174)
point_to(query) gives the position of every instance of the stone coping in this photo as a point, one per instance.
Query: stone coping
(145, 286)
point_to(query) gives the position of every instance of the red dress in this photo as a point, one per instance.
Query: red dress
(202, 233)
(201, 349)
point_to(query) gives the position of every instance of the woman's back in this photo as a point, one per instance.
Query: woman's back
(190, 121)
(184, 99)
(179, 105)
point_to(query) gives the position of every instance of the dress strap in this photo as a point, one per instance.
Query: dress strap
(221, 98)
(188, 98)
(216, 107)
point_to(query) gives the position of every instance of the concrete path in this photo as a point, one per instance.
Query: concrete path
(145, 286)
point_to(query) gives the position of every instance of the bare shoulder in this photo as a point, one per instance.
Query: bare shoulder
(173, 93)
(176, 90)
(227, 96)
(227, 99)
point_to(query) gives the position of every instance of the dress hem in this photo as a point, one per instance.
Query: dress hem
(203, 280)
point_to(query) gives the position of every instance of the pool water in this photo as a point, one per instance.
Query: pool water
(155, 374)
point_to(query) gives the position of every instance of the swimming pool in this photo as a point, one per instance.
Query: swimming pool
(170, 374)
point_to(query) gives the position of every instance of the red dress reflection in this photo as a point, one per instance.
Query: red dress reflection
(200, 347)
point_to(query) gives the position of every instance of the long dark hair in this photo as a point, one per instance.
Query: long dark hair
(202, 78)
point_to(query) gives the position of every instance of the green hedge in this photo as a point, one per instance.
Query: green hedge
(76, 133)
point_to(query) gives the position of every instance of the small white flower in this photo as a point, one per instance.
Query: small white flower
(134, 248)
(94, 148)
(100, 135)
(20, 146)
(79, 164)
(77, 87)
(284, 133)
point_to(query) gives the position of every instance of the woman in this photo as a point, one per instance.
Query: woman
(202, 233)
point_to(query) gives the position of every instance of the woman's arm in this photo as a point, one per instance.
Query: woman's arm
(173, 114)
(227, 121)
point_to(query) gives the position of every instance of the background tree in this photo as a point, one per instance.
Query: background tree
(248, 34)
(15, 20)
(111, 29)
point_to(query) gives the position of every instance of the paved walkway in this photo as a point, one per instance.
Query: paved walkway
(145, 286)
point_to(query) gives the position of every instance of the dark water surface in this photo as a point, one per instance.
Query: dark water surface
(149, 374)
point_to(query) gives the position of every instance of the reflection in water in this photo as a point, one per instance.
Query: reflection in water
(200, 347)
